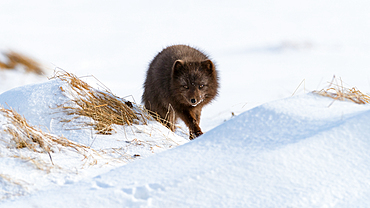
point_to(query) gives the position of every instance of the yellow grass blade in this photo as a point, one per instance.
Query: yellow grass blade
(339, 92)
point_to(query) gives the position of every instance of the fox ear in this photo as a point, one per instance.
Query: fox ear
(208, 66)
(177, 67)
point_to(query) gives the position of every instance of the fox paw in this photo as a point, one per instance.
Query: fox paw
(193, 135)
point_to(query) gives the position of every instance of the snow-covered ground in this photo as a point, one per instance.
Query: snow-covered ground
(295, 152)
(281, 152)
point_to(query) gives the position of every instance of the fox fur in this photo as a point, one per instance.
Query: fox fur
(179, 82)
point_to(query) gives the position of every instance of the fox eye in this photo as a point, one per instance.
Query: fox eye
(185, 86)
(201, 86)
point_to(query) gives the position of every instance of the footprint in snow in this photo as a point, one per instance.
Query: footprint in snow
(143, 192)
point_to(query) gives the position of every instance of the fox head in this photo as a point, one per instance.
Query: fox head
(194, 83)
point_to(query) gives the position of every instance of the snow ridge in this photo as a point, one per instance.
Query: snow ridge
(263, 157)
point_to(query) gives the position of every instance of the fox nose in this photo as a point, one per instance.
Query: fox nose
(193, 101)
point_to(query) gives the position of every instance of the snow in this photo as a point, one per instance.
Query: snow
(273, 155)
(278, 151)
(38, 103)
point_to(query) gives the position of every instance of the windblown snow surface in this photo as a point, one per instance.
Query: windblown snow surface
(279, 151)
(303, 151)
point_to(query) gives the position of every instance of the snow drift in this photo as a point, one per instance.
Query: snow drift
(302, 151)
(71, 151)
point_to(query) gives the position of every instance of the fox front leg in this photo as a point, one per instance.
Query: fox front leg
(190, 120)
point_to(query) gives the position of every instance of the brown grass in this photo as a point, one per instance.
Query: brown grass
(337, 91)
(103, 107)
(26, 136)
(15, 59)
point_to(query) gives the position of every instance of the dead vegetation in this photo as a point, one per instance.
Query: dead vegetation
(15, 59)
(337, 91)
(104, 108)
(24, 136)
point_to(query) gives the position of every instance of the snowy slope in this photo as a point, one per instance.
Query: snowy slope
(23, 171)
(295, 152)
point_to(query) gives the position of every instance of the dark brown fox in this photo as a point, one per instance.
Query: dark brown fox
(179, 82)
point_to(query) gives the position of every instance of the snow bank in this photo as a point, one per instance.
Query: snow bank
(24, 171)
(295, 152)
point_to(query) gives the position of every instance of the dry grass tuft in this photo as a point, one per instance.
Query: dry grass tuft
(338, 92)
(24, 135)
(103, 107)
(15, 59)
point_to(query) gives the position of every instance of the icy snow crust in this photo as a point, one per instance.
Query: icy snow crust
(303, 151)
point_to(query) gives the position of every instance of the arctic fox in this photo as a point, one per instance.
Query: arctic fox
(179, 82)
